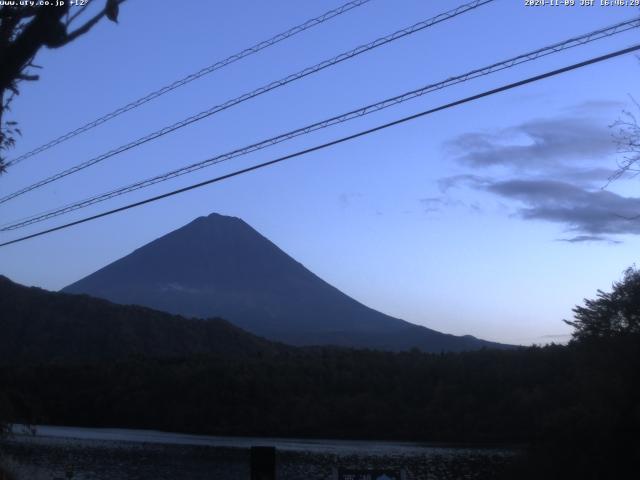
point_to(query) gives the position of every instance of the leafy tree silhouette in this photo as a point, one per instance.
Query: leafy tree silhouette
(24, 30)
(627, 137)
(610, 314)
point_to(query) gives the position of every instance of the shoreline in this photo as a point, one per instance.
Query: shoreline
(41, 456)
(117, 434)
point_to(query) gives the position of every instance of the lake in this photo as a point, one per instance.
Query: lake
(101, 454)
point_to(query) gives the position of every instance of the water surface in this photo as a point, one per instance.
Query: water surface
(108, 454)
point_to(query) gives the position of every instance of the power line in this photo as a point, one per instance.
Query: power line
(514, 61)
(194, 76)
(247, 96)
(472, 98)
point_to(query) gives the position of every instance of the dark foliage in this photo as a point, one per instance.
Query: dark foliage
(37, 325)
(577, 407)
(610, 314)
(25, 28)
(627, 138)
(4, 474)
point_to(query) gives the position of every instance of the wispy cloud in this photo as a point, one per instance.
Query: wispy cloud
(566, 145)
(592, 212)
(596, 107)
(346, 199)
(447, 183)
(432, 204)
(588, 239)
(552, 170)
(436, 204)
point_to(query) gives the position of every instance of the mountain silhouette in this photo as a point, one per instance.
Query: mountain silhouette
(219, 266)
(41, 326)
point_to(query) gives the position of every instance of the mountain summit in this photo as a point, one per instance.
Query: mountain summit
(218, 266)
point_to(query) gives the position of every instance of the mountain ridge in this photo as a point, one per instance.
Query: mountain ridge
(220, 266)
(42, 326)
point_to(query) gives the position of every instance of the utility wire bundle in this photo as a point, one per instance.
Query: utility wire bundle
(193, 76)
(338, 119)
(255, 93)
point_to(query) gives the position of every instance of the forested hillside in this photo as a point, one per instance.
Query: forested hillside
(575, 407)
(42, 326)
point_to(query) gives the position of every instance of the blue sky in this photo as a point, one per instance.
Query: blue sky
(459, 221)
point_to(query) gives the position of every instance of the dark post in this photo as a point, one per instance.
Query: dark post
(263, 463)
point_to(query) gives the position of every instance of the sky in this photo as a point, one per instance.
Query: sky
(493, 218)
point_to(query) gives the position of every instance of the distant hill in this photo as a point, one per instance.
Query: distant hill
(218, 266)
(37, 325)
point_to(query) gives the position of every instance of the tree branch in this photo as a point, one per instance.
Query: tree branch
(80, 11)
(87, 26)
(83, 29)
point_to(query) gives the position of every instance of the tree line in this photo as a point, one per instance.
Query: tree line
(577, 406)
